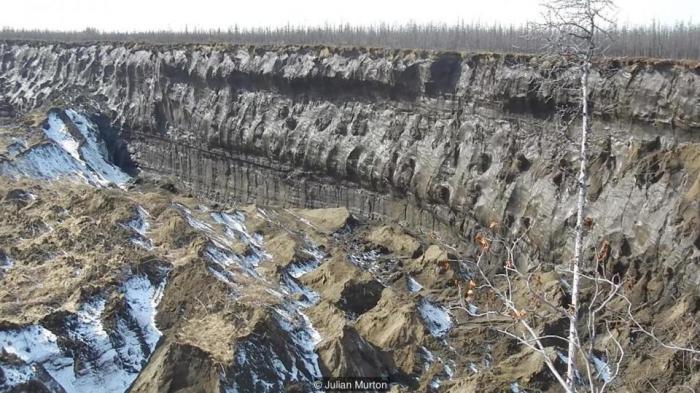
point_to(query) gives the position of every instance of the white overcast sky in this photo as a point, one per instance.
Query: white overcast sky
(109, 15)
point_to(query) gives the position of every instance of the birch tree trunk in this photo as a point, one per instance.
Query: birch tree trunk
(578, 242)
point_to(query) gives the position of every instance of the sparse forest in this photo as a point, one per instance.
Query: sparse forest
(679, 41)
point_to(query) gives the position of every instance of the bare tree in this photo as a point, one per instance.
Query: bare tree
(517, 300)
(573, 28)
(524, 295)
(519, 303)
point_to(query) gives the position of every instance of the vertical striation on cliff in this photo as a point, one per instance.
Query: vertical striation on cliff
(442, 141)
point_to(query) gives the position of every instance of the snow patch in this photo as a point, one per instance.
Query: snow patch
(291, 274)
(16, 374)
(299, 268)
(57, 132)
(5, 263)
(109, 362)
(226, 259)
(101, 370)
(17, 146)
(383, 272)
(219, 250)
(602, 368)
(192, 221)
(435, 317)
(93, 151)
(77, 157)
(449, 368)
(365, 260)
(143, 298)
(291, 285)
(565, 360)
(31, 344)
(47, 162)
(233, 223)
(305, 338)
(268, 366)
(261, 363)
(235, 229)
(296, 359)
(413, 285)
(36, 345)
(428, 357)
(140, 226)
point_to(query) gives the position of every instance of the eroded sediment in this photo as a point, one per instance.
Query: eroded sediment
(441, 142)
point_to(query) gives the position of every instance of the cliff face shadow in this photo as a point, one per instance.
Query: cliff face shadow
(445, 72)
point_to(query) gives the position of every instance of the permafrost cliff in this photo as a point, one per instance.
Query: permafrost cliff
(438, 141)
(441, 143)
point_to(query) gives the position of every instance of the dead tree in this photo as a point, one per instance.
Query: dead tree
(524, 295)
(518, 302)
(572, 28)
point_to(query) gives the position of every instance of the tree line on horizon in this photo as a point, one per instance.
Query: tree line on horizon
(655, 40)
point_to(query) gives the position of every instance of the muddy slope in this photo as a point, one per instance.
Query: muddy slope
(126, 285)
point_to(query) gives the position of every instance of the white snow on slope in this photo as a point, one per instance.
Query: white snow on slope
(302, 361)
(93, 152)
(224, 262)
(602, 368)
(109, 362)
(16, 374)
(291, 274)
(143, 298)
(305, 337)
(436, 318)
(35, 345)
(299, 268)
(413, 285)
(265, 366)
(5, 263)
(194, 222)
(76, 157)
(47, 162)
(101, 370)
(16, 146)
(235, 229)
(262, 363)
(297, 359)
(140, 226)
(57, 132)
(220, 252)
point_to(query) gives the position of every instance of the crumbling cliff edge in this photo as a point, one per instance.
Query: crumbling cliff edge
(444, 142)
